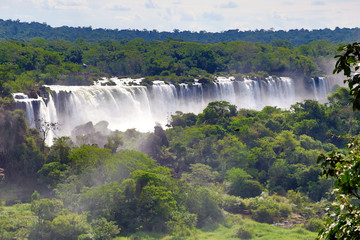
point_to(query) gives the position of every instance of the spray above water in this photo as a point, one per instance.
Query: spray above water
(125, 105)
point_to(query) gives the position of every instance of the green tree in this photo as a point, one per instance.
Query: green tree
(217, 113)
(205, 204)
(69, 227)
(104, 230)
(201, 175)
(348, 63)
(114, 141)
(241, 184)
(344, 221)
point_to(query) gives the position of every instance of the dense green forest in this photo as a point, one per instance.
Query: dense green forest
(26, 66)
(204, 172)
(22, 31)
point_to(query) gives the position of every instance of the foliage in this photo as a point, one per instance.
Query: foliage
(244, 233)
(237, 160)
(269, 209)
(201, 175)
(348, 63)
(233, 204)
(205, 204)
(343, 219)
(104, 230)
(241, 185)
(217, 113)
(314, 224)
(344, 211)
(26, 66)
(69, 226)
(25, 31)
(196, 162)
(15, 221)
(46, 209)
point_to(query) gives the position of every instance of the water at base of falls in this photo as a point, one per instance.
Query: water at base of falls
(124, 106)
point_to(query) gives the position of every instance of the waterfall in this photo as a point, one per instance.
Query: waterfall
(126, 105)
(321, 88)
(37, 112)
(25, 103)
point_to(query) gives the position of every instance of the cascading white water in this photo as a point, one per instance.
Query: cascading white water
(321, 88)
(37, 112)
(124, 106)
(27, 104)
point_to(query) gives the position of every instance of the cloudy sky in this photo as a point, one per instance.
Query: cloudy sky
(193, 15)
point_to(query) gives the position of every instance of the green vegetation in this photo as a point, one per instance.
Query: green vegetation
(26, 66)
(190, 180)
(235, 228)
(224, 173)
(23, 31)
(343, 216)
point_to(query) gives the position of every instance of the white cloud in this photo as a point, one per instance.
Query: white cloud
(150, 4)
(229, 5)
(60, 4)
(209, 15)
(213, 16)
(117, 8)
(186, 16)
(318, 3)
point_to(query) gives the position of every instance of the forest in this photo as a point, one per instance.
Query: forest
(26, 66)
(225, 173)
(204, 171)
(24, 31)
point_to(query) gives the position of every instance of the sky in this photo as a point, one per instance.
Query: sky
(192, 15)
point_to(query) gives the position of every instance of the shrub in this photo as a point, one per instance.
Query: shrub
(314, 224)
(265, 215)
(182, 224)
(270, 208)
(233, 204)
(241, 185)
(205, 204)
(244, 233)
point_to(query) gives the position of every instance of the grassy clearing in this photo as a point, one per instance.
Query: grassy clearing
(235, 228)
(16, 220)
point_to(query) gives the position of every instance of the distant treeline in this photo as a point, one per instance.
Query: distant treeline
(22, 31)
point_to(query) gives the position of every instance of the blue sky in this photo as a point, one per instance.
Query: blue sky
(193, 15)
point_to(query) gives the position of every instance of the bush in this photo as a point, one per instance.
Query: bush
(241, 185)
(314, 224)
(104, 230)
(205, 204)
(69, 226)
(233, 204)
(270, 208)
(244, 233)
(146, 82)
(181, 224)
(265, 215)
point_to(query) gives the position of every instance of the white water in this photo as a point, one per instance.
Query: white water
(321, 88)
(140, 107)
